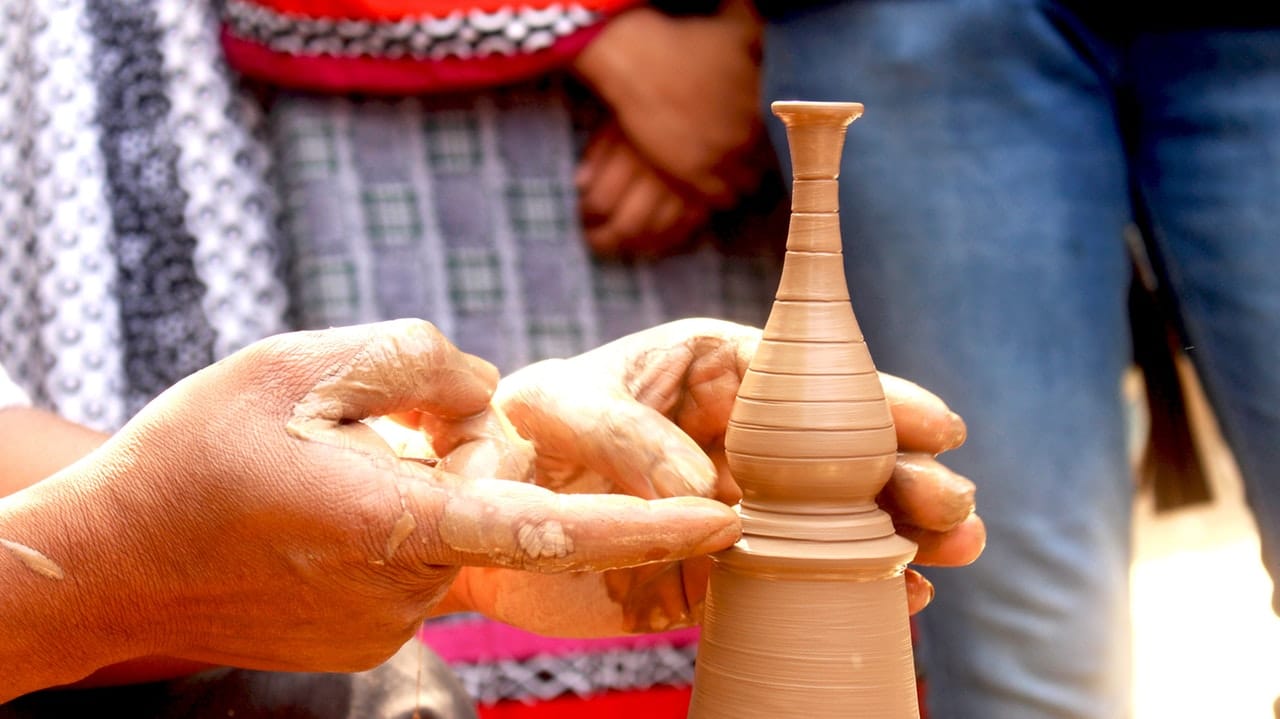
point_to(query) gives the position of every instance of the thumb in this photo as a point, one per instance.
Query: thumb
(386, 368)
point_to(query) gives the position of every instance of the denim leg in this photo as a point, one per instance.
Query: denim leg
(1208, 161)
(983, 199)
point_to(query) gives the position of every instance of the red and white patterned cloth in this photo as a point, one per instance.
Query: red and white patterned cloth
(407, 46)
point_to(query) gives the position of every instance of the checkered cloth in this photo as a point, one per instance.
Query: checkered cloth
(461, 209)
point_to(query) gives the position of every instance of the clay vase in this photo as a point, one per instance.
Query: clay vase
(806, 615)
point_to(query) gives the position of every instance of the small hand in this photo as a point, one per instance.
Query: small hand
(628, 208)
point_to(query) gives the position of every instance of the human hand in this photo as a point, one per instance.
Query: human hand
(685, 91)
(249, 517)
(628, 208)
(646, 415)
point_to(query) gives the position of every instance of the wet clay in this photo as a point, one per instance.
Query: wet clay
(806, 616)
(34, 560)
(400, 531)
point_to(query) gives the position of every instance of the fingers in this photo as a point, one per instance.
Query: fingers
(652, 598)
(690, 371)
(573, 422)
(485, 445)
(521, 526)
(925, 493)
(667, 217)
(956, 547)
(386, 368)
(919, 591)
(923, 420)
(627, 207)
(605, 172)
(650, 220)
(624, 228)
(934, 507)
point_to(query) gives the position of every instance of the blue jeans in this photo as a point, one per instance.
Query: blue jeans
(1005, 147)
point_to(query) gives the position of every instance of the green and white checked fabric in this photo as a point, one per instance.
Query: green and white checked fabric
(327, 285)
(452, 140)
(475, 280)
(462, 210)
(539, 208)
(311, 147)
(391, 214)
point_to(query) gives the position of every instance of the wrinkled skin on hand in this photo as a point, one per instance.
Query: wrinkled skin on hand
(646, 416)
(258, 522)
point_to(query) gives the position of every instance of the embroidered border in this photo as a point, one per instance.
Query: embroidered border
(546, 677)
(474, 34)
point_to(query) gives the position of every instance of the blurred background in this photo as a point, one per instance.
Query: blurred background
(1205, 641)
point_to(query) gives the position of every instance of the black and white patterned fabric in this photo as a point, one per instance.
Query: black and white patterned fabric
(547, 676)
(137, 220)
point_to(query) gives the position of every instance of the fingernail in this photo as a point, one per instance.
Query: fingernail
(721, 539)
(726, 526)
(958, 432)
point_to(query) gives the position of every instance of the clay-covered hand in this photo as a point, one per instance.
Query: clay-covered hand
(685, 92)
(929, 502)
(628, 208)
(249, 517)
(646, 415)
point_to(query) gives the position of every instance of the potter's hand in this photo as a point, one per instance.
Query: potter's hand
(248, 517)
(929, 503)
(646, 415)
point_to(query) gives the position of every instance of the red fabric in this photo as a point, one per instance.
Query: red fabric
(396, 76)
(397, 9)
(654, 703)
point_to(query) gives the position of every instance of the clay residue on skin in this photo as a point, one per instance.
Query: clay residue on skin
(928, 491)
(34, 560)
(485, 445)
(544, 540)
(411, 357)
(400, 531)
(518, 535)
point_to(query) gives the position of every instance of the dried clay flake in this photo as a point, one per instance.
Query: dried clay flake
(34, 560)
